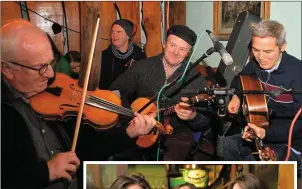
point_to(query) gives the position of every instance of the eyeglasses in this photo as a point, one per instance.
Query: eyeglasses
(41, 70)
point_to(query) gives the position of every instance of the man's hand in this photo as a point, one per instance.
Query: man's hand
(184, 111)
(258, 131)
(233, 105)
(63, 165)
(141, 124)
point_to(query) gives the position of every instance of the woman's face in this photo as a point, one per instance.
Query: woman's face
(134, 186)
(236, 186)
(75, 67)
(184, 187)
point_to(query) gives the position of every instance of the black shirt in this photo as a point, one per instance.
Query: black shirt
(112, 67)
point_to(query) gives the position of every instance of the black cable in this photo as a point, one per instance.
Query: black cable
(22, 6)
(26, 11)
(117, 9)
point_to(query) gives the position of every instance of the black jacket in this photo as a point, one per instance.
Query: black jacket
(146, 77)
(112, 67)
(283, 108)
(21, 166)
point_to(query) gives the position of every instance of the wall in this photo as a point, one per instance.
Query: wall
(200, 18)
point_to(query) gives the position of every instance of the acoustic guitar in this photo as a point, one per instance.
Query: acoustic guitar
(255, 111)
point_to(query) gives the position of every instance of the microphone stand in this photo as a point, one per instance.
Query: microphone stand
(205, 55)
(231, 91)
(273, 93)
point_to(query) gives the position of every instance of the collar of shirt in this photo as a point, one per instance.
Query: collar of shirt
(276, 66)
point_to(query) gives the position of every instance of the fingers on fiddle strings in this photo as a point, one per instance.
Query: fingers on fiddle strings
(141, 124)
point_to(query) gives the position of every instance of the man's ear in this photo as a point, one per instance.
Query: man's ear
(283, 47)
(189, 53)
(7, 71)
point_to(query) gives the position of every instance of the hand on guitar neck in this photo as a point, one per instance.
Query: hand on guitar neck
(184, 111)
(234, 105)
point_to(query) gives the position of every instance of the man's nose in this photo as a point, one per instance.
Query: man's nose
(261, 55)
(49, 72)
(113, 34)
(176, 51)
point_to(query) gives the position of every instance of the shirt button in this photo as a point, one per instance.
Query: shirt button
(43, 130)
(51, 151)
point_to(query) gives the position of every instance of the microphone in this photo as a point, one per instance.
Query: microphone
(225, 56)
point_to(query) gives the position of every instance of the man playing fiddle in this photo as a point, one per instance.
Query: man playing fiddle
(276, 70)
(35, 152)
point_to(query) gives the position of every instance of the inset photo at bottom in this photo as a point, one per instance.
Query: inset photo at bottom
(190, 176)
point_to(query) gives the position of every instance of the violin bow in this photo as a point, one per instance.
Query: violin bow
(77, 128)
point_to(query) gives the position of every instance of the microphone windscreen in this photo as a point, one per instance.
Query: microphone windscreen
(227, 59)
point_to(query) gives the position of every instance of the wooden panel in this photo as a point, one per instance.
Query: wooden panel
(286, 180)
(108, 15)
(177, 12)
(204, 72)
(93, 175)
(130, 11)
(121, 169)
(73, 22)
(51, 10)
(9, 10)
(152, 23)
(89, 13)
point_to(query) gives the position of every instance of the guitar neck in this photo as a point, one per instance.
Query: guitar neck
(258, 143)
(192, 101)
(168, 111)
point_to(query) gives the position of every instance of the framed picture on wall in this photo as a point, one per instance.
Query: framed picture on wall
(226, 13)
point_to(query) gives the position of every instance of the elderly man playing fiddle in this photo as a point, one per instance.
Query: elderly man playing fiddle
(35, 152)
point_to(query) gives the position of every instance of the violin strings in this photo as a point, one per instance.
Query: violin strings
(117, 107)
(111, 106)
(105, 106)
(108, 105)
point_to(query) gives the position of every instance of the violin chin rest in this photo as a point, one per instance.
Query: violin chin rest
(54, 90)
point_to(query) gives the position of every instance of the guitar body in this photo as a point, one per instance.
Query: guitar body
(148, 140)
(255, 109)
(254, 105)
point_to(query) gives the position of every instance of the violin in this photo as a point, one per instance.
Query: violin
(101, 110)
(255, 110)
(62, 99)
